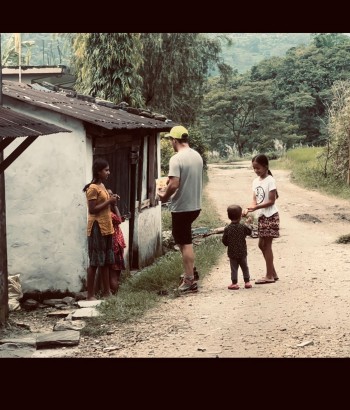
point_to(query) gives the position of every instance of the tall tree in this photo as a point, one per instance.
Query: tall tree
(304, 80)
(175, 70)
(339, 131)
(107, 66)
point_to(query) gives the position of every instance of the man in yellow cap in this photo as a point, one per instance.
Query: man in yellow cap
(185, 190)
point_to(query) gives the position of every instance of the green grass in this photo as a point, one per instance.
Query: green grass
(307, 166)
(146, 288)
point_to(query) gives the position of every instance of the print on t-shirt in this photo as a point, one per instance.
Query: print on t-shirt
(260, 195)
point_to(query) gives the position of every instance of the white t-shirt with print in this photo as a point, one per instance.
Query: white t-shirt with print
(261, 188)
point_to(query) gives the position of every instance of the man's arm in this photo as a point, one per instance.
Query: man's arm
(173, 184)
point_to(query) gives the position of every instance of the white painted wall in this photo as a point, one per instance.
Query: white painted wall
(148, 235)
(46, 208)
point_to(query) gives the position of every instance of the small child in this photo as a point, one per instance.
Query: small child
(234, 237)
(118, 248)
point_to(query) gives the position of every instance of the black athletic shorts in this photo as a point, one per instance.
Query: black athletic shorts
(182, 226)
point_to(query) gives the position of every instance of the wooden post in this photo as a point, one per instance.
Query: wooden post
(4, 308)
(4, 311)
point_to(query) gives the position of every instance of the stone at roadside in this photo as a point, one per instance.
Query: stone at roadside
(23, 342)
(306, 343)
(68, 300)
(53, 302)
(85, 313)
(30, 304)
(54, 339)
(12, 350)
(59, 313)
(80, 295)
(89, 303)
(69, 325)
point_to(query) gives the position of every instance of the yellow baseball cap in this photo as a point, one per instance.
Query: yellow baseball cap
(177, 132)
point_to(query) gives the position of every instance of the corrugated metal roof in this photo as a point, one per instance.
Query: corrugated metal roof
(91, 112)
(14, 124)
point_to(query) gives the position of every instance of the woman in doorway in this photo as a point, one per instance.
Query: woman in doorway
(99, 227)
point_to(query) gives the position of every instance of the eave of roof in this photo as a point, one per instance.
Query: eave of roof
(87, 111)
(14, 124)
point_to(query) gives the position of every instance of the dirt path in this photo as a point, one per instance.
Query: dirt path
(308, 305)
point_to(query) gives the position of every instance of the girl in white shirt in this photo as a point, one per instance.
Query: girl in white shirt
(264, 197)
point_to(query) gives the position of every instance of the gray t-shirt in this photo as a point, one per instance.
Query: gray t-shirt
(187, 165)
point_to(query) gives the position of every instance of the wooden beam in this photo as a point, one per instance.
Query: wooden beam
(4, 310)
(5, 143)
(4, 306)
(16, 153)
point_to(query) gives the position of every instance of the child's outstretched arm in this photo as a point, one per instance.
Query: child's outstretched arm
(250, 208)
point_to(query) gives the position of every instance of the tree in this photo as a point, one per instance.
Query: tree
(322, 40)
(107, 66)
(239, 112)
(339, 131)
(307, 75)
(174, 71)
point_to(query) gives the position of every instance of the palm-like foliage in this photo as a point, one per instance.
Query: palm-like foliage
(107, 66)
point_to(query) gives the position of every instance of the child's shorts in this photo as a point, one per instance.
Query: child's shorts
(269, 227)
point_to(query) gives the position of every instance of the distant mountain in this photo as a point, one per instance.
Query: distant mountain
(248, 49)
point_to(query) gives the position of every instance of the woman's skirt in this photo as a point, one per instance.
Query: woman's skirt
(100, 247)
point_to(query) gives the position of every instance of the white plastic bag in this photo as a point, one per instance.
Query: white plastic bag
(14, 292)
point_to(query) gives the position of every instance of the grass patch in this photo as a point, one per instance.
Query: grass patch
(307, 171)
(307, 166)
(141, 292)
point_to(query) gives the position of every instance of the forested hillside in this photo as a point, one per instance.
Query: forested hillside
(282, 101)
(243, 50)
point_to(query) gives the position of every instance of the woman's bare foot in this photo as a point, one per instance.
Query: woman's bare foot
(91, 298)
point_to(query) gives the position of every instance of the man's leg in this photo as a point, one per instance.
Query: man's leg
(182, 233)
(187, 259)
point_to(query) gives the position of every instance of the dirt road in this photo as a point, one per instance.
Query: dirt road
(304, 314)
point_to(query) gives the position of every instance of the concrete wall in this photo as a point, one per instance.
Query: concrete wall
(148, 235)
(45, 206)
